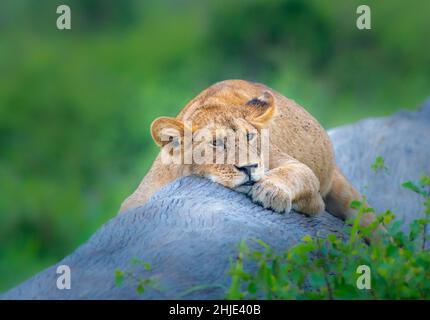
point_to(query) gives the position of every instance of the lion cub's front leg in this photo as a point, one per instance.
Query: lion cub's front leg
(291, 185)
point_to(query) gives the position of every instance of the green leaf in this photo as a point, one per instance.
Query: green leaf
(355, 204)
(119, 277)
(379, 164)
(135, 261)
(252, 288)
(424, 181)
(332, 238)
(412, 186)
(140, 288)
(263, 244)
(392, 250)
(307, 238)
(317, 280)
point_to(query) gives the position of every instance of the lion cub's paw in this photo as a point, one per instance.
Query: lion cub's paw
(311, 206)
(271, 193)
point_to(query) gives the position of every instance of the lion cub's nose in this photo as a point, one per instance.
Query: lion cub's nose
(247, 168)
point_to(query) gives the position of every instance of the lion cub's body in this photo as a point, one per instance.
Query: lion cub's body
(297, 143)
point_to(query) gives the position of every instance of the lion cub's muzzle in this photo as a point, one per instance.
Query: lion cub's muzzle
(249, 170)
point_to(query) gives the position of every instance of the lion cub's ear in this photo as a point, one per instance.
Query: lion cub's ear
(264, 110)
(165, 129)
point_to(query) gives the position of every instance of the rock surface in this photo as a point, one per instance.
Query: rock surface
(190, 230)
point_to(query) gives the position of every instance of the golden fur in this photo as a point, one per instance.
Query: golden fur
(301, 172)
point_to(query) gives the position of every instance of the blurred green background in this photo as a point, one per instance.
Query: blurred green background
(76, 105)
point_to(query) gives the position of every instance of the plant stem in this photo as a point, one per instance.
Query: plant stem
(329, 290)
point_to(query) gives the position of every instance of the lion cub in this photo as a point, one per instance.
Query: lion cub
(294, 169)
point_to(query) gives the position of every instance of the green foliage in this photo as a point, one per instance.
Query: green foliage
(76, 105)
(327, 267)
(422, 187)
(133, 274)
(119, 277)
(379, 165)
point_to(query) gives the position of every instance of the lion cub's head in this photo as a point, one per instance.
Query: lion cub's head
(226, 142)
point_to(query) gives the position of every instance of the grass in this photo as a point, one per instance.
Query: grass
(395, 266)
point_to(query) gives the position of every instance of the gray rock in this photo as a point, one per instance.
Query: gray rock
(404, 141)
(190, 230)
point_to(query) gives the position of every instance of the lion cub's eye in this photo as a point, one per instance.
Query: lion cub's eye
(250, 136)
(218, 142)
